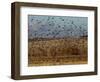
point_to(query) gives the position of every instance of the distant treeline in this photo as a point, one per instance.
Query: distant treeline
(64, 38)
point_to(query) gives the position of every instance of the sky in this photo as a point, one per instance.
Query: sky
(42, 26)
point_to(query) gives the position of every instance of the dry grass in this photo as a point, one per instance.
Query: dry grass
(57, 51)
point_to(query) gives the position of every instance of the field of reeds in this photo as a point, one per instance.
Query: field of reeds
(48, 52)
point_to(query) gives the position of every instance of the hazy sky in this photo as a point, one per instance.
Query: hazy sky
(40, 26)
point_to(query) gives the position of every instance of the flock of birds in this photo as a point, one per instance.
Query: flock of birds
(56, 26)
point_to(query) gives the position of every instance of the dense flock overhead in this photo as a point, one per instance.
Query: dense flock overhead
(40, 26)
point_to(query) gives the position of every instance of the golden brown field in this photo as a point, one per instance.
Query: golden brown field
(57, 52)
